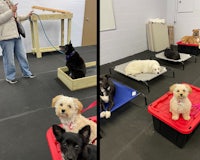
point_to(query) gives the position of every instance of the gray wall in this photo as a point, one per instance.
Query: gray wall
(185, 21)
(129, 37)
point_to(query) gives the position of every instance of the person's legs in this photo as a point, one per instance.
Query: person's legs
(8, 58)
(22, 58)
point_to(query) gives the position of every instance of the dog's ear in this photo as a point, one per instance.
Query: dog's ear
(171, 88)
(58, 132)
(194, 30)
(107, 76)
(54, 100)
(78, 104)
(85, 134)
(189, 88)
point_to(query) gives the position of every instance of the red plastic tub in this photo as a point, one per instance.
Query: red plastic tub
(188, 48)
(54, 146)
(178, 131)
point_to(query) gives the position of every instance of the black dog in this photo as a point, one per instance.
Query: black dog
(171, 54)
(107, 92)
(74, 62)
(74, 146)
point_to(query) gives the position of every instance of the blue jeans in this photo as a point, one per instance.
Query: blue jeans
(10, 49)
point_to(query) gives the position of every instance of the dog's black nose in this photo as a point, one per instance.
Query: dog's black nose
(63, 111)
(181, 94)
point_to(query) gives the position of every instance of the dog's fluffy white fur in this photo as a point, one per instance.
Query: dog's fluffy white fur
(68, 109)
(142, 66)
(180, 103)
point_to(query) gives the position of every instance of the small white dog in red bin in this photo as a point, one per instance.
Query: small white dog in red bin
(180, 103)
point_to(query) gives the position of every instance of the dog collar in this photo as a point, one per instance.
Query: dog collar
(70, 55)
(180, 101)
(69, 125)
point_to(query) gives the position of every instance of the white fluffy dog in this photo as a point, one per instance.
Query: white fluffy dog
(142, 66)
(180, 103)
(68, 109)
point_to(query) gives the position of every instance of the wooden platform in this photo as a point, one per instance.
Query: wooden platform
(80, 83)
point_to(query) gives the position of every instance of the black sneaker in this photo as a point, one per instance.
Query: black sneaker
(12, 81)
(31, 76)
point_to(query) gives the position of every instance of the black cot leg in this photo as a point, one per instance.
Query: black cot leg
(183, 65)
(147, 85)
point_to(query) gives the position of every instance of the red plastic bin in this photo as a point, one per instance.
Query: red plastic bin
(54, 146)
(178, 131)
(188, 48)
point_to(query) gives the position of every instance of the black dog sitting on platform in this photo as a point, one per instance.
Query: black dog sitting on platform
(171, 54)
(74, 146)
(107, 92)
(74, 62)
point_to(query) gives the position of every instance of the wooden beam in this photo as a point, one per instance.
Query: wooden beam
(50, 16)
(51, 9)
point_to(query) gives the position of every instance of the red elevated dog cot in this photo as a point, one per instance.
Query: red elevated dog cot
(54, 146)
(178, 131)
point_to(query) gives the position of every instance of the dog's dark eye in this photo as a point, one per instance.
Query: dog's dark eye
(64, 145)
(61, 104)
(69, 106)
(183, 90)
(76, 147)
(178, 91)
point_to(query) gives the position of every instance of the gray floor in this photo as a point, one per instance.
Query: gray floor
(25, 111)
(129, 133)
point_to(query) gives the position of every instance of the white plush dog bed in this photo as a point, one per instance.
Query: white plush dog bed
(183, 57)
(139, 77)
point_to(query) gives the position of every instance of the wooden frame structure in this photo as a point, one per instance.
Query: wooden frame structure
(80, 83)
(59, 15)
